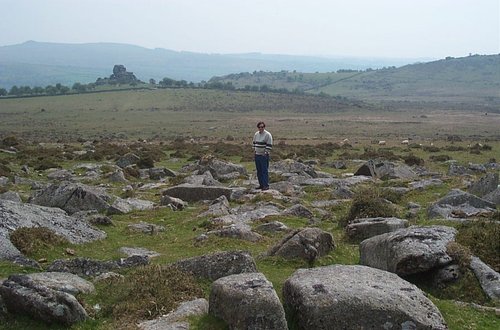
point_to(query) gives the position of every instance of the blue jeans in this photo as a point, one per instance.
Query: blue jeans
(262, 165)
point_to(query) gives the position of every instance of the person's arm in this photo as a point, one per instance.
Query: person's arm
(269, 143)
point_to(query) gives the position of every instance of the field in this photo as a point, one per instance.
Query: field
(176, 126)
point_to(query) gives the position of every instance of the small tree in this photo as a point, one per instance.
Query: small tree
(14, 90)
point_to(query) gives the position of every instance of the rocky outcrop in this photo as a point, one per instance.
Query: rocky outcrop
(408, 251)
(120, 76)
(24, 296)
(16, 215)
(357, 297)
(217, 265)
(247, 301)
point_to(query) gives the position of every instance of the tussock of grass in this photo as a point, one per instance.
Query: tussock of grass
(146, 293)
(368, 203)
(460, 254)
(482, 238)
(35, 239)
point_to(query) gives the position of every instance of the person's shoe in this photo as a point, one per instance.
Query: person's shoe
(265, 188)
(259, 187)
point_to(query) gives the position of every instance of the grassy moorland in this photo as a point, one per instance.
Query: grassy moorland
(468, 83)
(182, 125)
(166, 114)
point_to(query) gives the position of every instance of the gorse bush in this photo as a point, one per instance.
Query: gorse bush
(35, 239)
(411, 160)
(439, 158)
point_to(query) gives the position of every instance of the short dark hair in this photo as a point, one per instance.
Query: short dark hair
(261, 123)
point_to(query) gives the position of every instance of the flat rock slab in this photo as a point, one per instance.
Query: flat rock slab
(363, 228)
(196, 193)
(460, 204)
(66, 282)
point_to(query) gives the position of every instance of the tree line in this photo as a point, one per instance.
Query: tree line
(77, 88)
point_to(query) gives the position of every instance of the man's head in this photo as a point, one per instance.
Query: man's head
(261, 125)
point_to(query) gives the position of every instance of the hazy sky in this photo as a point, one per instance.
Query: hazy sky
(385, 28)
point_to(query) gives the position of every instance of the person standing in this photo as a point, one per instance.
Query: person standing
(262, 145)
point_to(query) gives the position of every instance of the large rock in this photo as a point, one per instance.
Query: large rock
(408, 251)
(487, 277)
(72, 197)
(385, 170)
(247, 301)
(493, 197)
(217, 265)
(127, 205)
(16, 215)
(357, 297)
(128, 160)
(11, 196)
(177, 319)
(195, 193)
(23, 296)
(460, 204)
(363, 228)
(217, 208)
(308, 244)
(298, 210)
(65, 282)
(485, 185)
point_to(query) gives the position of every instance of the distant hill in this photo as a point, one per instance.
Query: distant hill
(470, 80)
(39, 64)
